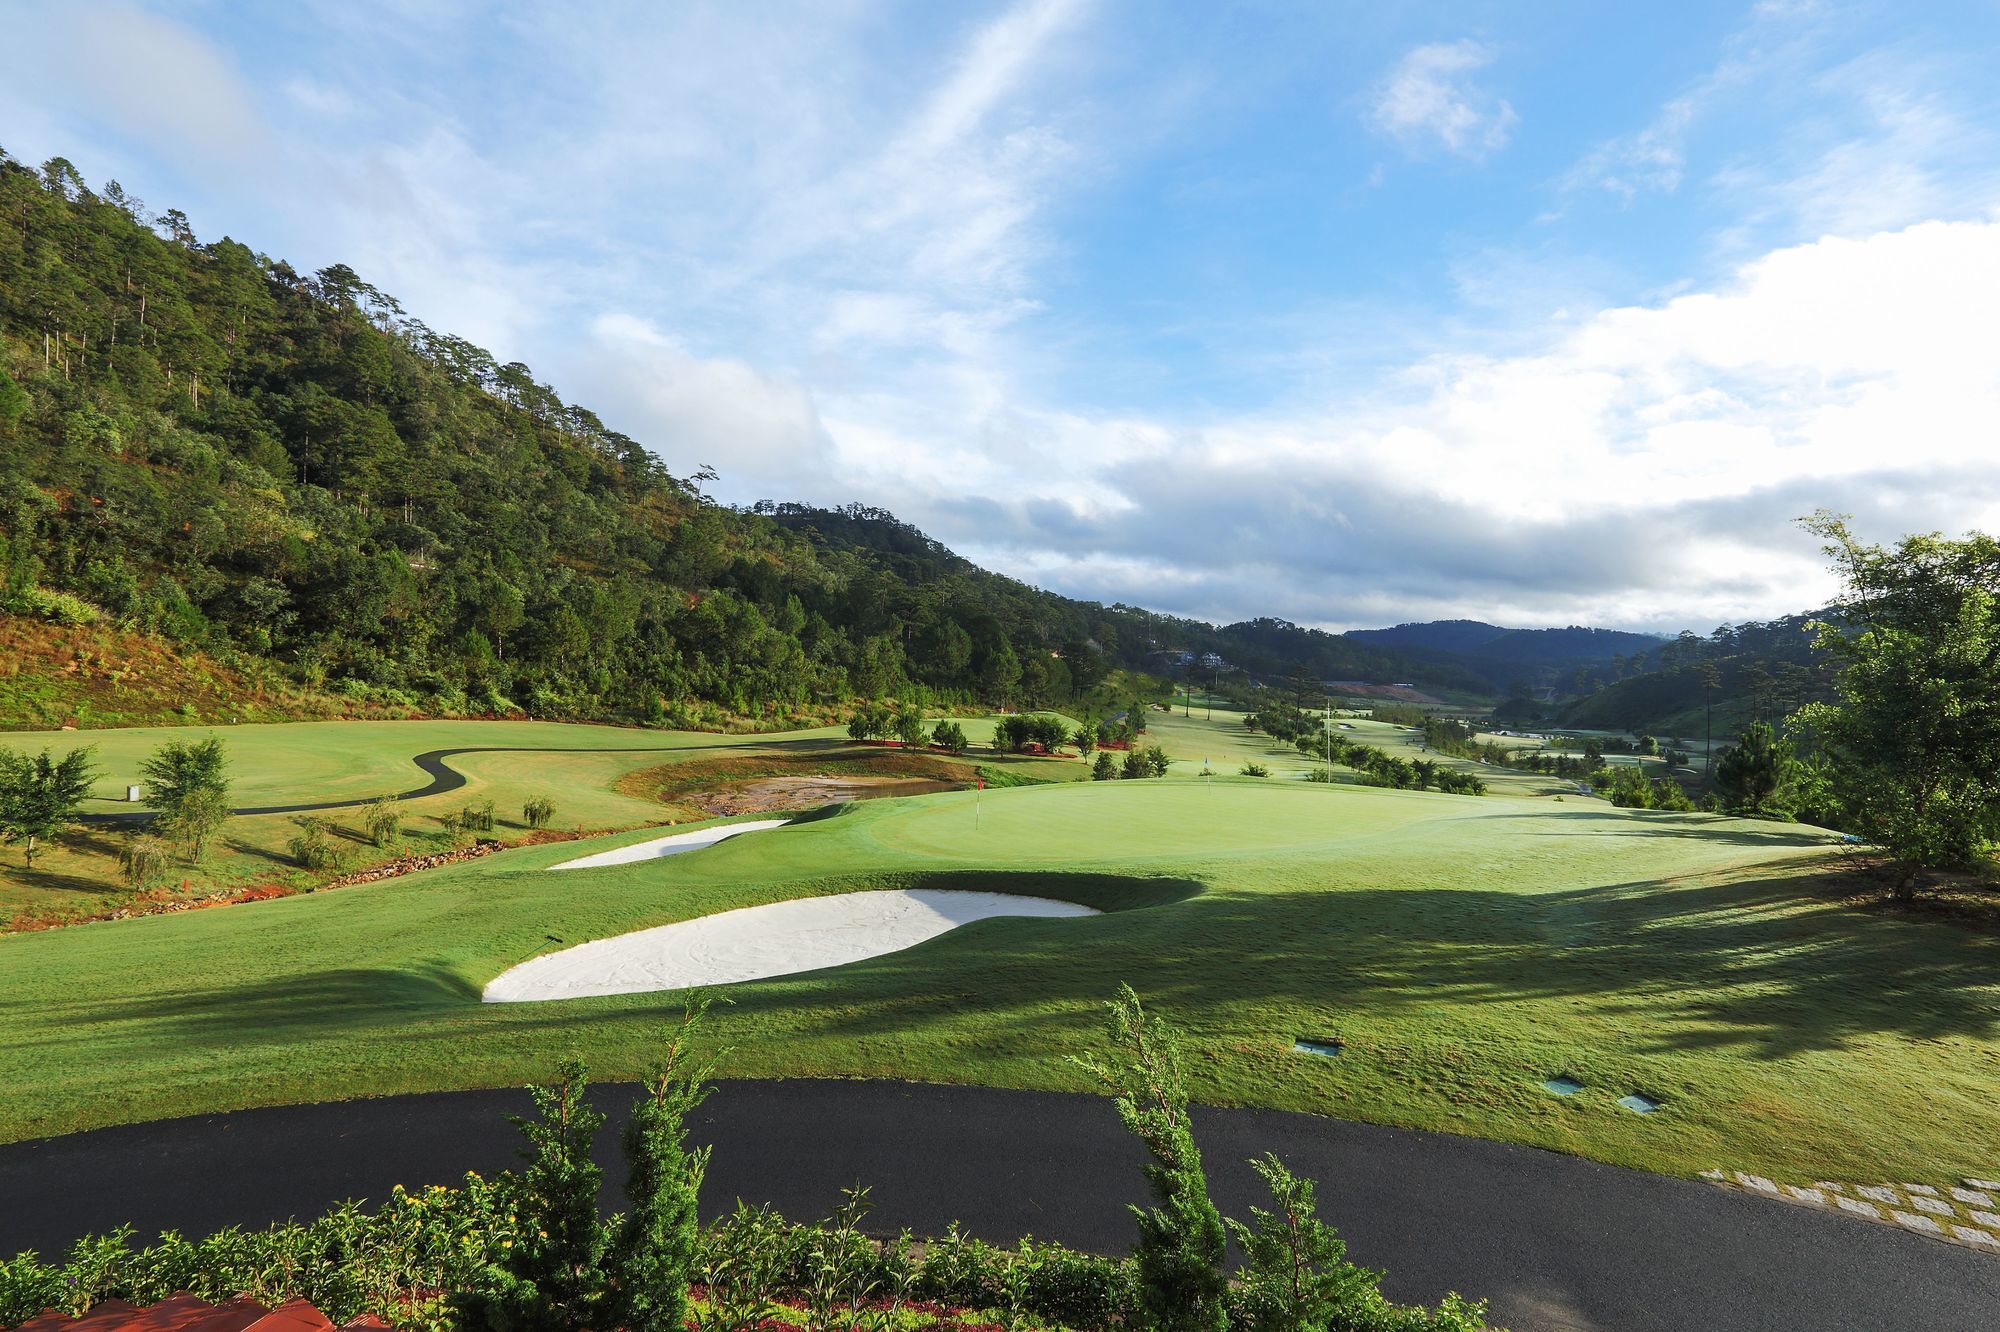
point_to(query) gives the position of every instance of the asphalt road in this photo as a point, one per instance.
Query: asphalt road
(1556, 1243)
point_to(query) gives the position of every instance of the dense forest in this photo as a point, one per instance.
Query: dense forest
(200, 443)
(1739, 674)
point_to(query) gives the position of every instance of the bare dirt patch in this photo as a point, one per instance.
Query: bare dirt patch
(770, 794)
(771, 780)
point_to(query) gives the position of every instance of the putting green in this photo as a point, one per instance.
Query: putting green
(1461, 949)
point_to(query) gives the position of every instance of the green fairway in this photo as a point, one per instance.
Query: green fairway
(1462, 949)
(310, 763)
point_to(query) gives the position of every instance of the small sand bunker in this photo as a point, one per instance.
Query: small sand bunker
(751, 943)
(669, 846)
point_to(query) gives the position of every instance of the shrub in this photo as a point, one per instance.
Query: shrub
(741, 1257)
(477, 818)
(310, 846)
(1156, 761)
(1135, 765)
(55, 607)
(909, 726)
(383, 820)
(870, 721)
(538, 811)
(1074, 1289)
(949, 736)
(141, 859)
(961, 1269)
(1255, 770)
(1105, 769)
(1012, 733)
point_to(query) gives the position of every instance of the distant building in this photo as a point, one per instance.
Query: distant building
(1213, 660)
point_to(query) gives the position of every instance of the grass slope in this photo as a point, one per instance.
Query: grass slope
(97, 675)
(321, 762)
(1463, 949)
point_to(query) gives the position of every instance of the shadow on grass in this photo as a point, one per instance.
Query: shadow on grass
(48, 880)
(328, 1002)
(254, 852)
(1761, 966)
(1656, 823)
(341, 1001)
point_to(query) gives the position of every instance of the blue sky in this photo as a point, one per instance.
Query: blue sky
(1347, 313)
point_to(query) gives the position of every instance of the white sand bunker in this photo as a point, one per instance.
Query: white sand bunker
(669, 846)
(751, 943)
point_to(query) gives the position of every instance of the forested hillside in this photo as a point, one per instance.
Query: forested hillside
(202, 445)
(1736, 675)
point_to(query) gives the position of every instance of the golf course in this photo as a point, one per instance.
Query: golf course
(1442, 957)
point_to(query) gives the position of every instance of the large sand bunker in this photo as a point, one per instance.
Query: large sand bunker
(669, 846)
(751, 943)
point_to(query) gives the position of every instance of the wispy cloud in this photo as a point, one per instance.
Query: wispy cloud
(1430, 99)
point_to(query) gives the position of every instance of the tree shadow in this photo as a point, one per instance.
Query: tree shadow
(1765, 967)
(1661, 823)
(318, 1003)
(254, 852)
(35, 876)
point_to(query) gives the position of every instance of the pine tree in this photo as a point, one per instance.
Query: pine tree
(654, 1252)
(552, 1279)
(1181, 1238)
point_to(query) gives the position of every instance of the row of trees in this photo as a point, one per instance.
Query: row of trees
(1313, 736)
(187, 784)
(1045, 731)
(1138, 762)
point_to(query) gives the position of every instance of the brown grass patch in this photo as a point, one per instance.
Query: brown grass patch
(775, 779)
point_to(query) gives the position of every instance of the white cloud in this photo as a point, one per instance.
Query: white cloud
(1430, 98)
(1641, 468)
(704, 411)
(143, 77)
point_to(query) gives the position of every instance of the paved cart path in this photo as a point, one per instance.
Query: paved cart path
(1557, 1243)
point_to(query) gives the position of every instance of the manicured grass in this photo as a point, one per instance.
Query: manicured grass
(319, 762)
(1461, 949)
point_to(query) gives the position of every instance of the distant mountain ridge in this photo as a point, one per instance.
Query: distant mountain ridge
(1539, 658)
